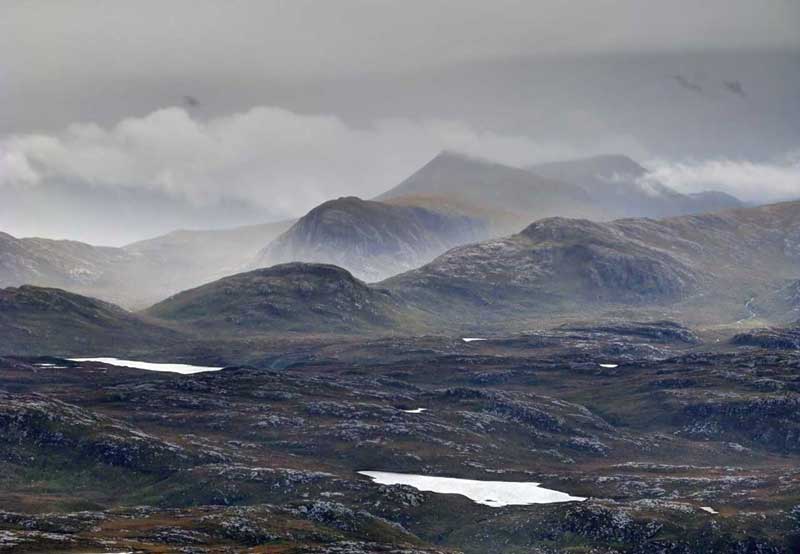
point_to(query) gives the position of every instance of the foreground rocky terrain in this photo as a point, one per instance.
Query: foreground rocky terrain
(681, 444)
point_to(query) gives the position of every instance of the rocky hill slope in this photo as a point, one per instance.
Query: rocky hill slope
(708, 266)
(722, 268)
(57, 263)
(35, 320)
(370, 239)
(287, 297)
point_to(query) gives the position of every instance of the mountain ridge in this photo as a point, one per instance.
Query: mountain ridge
(717, 260)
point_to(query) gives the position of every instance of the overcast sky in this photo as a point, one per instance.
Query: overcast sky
(226, 112)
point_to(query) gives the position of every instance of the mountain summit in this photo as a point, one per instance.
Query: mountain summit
(371, 239)
(514, 195)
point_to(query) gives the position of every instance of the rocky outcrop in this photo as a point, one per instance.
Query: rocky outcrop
(787, 338)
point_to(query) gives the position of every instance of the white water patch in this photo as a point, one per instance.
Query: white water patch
(709, 509)
(472, 339)
(184, 369)
(489, 493)
(415, 411)
(609, 366)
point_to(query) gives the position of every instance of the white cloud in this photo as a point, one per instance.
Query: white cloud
(283, 161)
(749, 181)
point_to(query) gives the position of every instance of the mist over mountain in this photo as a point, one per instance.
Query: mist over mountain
(620, 186)
(371, 239)
(728, 266)
(502, 194)
(138, 274)
(452, 200)
(195, 257)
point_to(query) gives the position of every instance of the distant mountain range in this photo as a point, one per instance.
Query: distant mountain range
(723, 268)
(619, 186)
(598, 188)
(507, 196)
(136, 275)
(70, 265)
(451, 201)
(701, 268)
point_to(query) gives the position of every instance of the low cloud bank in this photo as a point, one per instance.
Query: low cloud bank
(281, 160)
(270, 163)
(749, 181)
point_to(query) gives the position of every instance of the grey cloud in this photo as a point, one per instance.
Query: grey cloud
(390, 84)
(135, 49)
(757, 182)
(267, 162)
